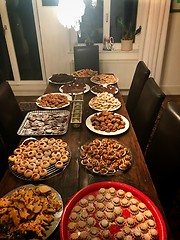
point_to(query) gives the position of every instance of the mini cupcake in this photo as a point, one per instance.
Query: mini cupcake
(118, 211)
(127, 230)
(108, 196)
(153, 233)
(90, 209)
(119, 235)
(109, 207)
(134, 209)
(76, 209)
(83, 215)
(120, 221)
(72, 226)
(143, 227)
(125, 202)
(83, 202)
(83, 235)
(99, 198)
(139, 218)
(134, 201)
(91, 198)
(142, 207)
(151, 223)
(81, 225)
(137, 234)
(112, 191)
(121, 193)
(104, 224)
(91, 222)
(148, 214)
(93, 231)
(110, 216)
(128, 195)
(102, 191)
(99, 215)
(130, 222)
(116, 201)
(74, 217)
(100, 206)
(106, 234)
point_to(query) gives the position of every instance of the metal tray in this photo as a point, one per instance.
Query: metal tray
(46, 122)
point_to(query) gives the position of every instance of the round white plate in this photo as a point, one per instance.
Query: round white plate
(58, 83)
(87, 88)
(57, 215)
(50, 108)
(91, 127)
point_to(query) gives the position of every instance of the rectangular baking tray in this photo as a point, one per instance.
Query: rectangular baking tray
(46, 122)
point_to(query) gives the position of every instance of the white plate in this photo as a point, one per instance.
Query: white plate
(57, 215)
(91, 127)
(50, 108)
(93, 79)
(87, 88)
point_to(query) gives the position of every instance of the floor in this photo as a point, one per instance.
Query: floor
(173, 216)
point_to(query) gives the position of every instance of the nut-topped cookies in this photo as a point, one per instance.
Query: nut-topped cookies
(39, 159)
(84, 73)
(112, 222)
(105, 156)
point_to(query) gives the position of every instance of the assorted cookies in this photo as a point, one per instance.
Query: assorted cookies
(61, 78)
(28, 212)
(105, 156)
(84, 73)
(104, 102)
(104, 79)
(100, 88)
(39, 159)
(109, 213)
(107, 121)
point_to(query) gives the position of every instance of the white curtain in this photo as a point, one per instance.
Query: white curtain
(153, 43)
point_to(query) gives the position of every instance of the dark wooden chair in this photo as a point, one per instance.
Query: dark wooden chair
(141, 75)
(86, 57)
(146, 111)
(11, 117)
(163, 154)
(3, 158)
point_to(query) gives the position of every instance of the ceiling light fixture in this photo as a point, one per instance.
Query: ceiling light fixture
(70, 13)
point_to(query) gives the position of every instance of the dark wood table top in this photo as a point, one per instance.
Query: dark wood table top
(76, 177)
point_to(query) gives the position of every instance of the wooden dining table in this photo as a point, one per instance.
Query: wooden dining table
(75, 176)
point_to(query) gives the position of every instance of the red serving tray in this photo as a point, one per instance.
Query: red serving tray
(161, 227)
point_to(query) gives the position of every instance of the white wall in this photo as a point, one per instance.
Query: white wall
(170, 80)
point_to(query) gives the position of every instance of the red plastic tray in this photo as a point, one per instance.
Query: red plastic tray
(90, 189)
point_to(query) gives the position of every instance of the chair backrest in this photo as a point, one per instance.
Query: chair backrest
(163, 154)
(11, 116)
(86, 57)
(3, 158)
(146, 111)
(141, 75)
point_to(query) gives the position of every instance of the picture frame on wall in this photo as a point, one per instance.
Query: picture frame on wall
(175, 5)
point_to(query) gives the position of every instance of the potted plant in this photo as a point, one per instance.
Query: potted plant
(127, 34)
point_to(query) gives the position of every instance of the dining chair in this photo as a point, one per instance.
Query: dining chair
(146, 111)
(162, 154)
(11, 116)
(140, 76)
(3, 158)
(86, 57)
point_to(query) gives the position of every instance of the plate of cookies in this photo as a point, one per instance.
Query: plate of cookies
(61, 78)
(101, 88)
(104, 102)
(30, 212)
(111, 210)
(84, 73)
(39, 159)
(107, 123)
(105, 156)
(54, 101)
(104, 79)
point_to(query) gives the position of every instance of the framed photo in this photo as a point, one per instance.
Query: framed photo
(175, 5)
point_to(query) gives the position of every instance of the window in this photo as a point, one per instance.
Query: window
(101, 20)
